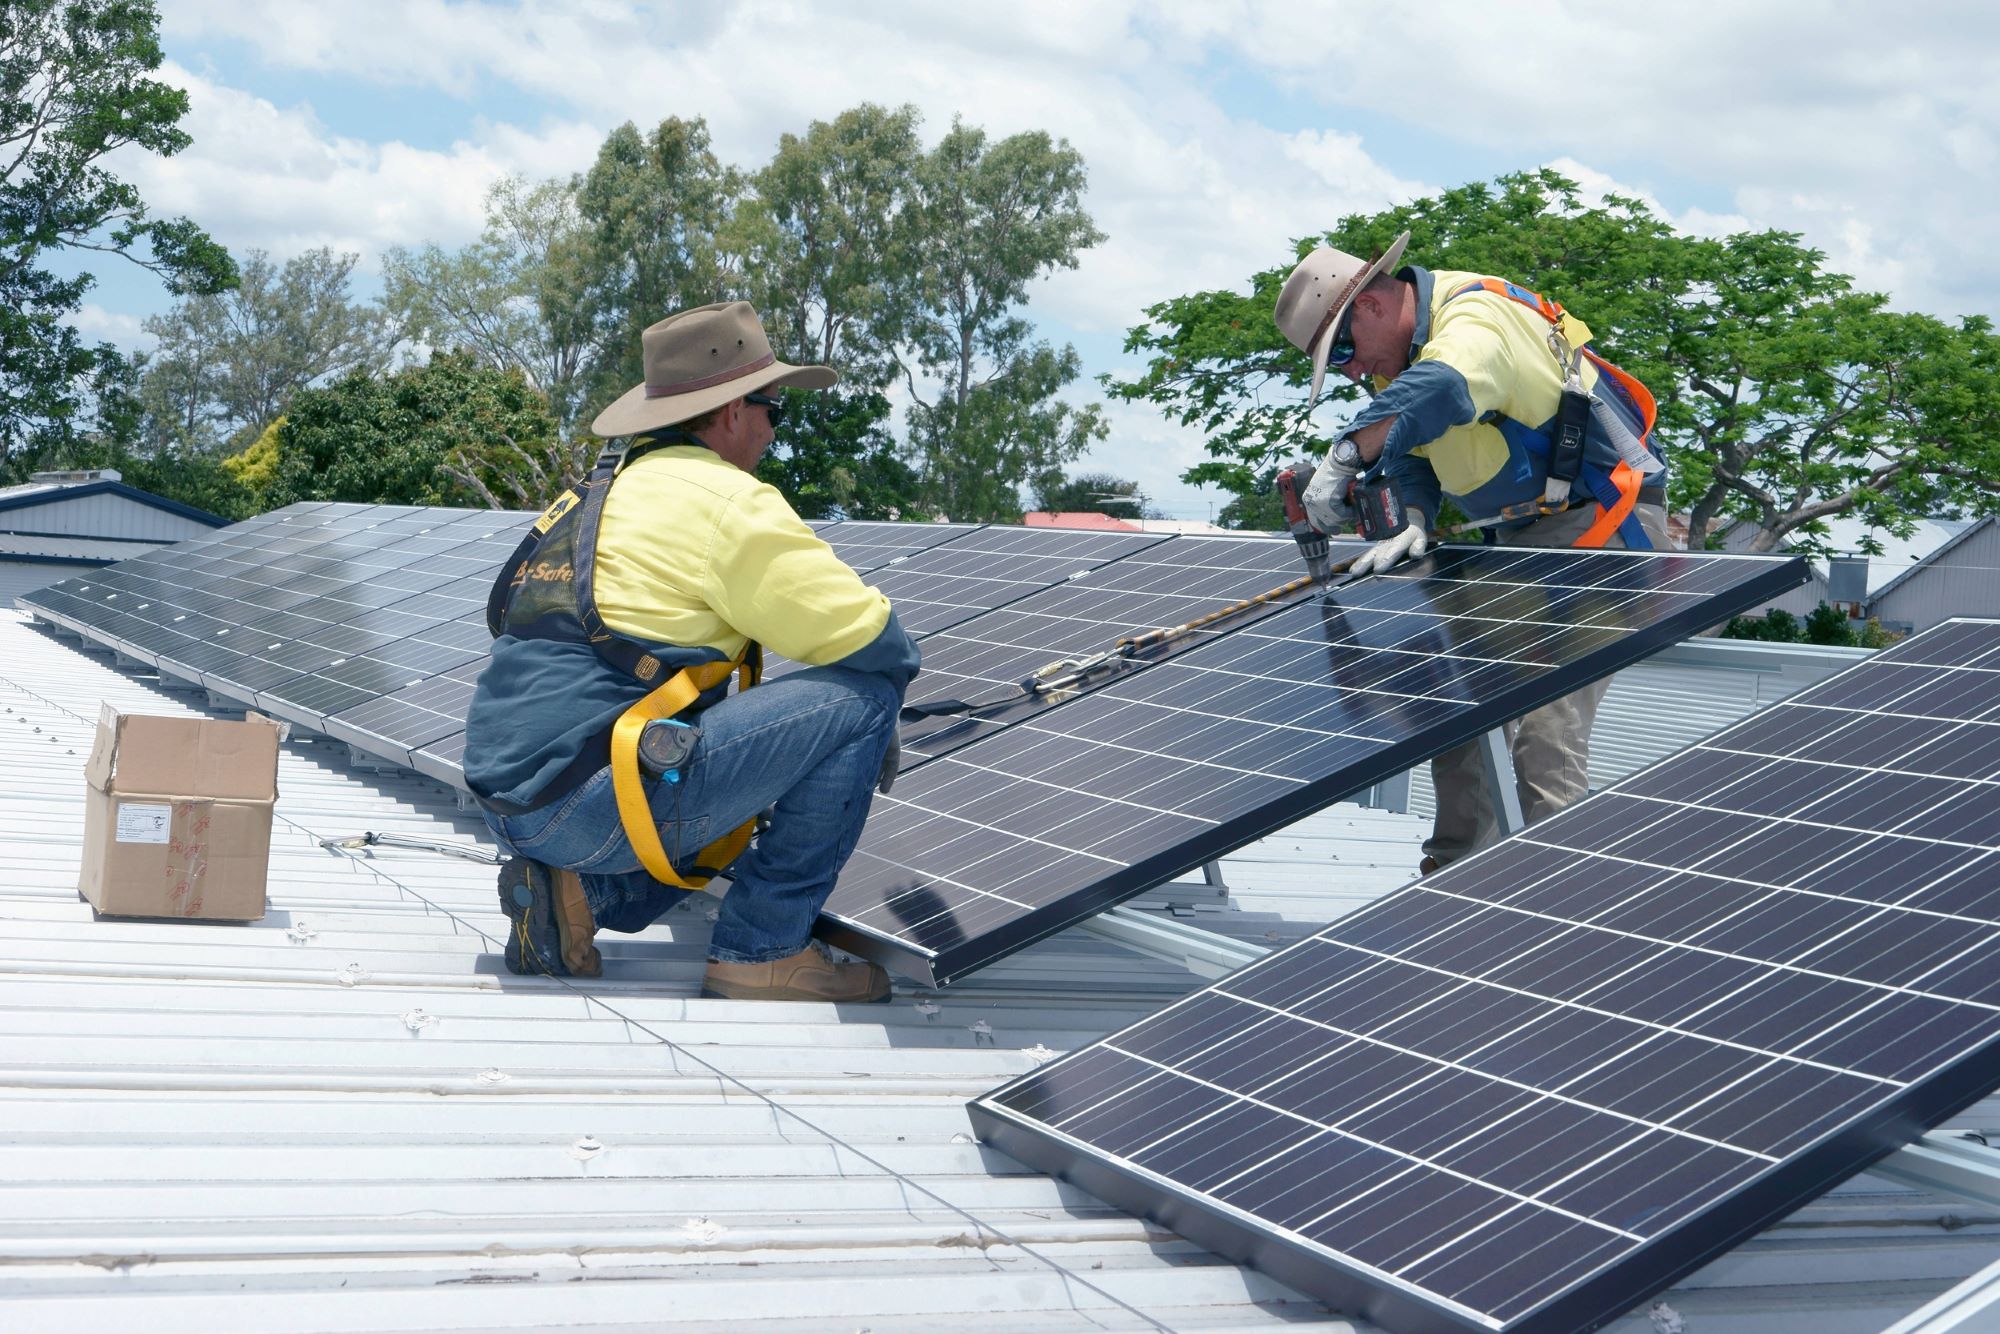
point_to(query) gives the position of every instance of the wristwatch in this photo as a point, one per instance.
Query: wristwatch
(1345, 453)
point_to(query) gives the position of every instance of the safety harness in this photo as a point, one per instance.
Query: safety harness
(1616, 491)
(546, 591)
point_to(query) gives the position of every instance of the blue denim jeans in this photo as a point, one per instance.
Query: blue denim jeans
(810, 744)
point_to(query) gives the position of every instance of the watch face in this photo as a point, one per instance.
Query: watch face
(1346, 453)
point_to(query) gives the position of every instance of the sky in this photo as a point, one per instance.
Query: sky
(1215, 132)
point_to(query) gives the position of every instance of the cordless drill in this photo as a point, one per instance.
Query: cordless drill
(1378, 512)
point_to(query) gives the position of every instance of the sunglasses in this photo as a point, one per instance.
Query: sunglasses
(776, 407)
(1341, 350)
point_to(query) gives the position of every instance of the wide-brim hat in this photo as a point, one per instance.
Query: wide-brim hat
(1318, 294)
(698, 360)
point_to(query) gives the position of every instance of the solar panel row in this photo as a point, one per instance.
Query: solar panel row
(366, 622)
(1539, 1086)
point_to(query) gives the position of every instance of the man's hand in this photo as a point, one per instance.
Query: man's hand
(1325, 498)
(885, 777)
(1410, 544)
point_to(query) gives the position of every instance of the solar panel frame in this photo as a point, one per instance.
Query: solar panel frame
(913, 909)
(1911, 1086)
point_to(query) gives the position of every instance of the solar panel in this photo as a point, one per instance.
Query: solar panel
(946, 584)
(976, 570)
(366, 622)
(1050, 816)
(985, 657)
(1541, 1085)
(869, 544)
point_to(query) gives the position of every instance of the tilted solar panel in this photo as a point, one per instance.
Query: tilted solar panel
(985, 657)
(1045, 819)
(976, 570)
(1539, 1086)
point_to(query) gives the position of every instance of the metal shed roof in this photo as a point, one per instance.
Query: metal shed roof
(349, 1117)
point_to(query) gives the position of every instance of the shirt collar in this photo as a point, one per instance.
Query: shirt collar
(1425, 284)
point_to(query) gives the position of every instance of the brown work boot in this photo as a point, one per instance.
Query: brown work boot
(1427, 865)
(551, 929)
(809, 975)
(574, 925)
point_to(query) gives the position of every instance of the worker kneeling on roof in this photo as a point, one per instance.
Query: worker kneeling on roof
(602, 741)
(1486, 393)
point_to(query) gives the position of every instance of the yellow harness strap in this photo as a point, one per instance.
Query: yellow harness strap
(635, 813)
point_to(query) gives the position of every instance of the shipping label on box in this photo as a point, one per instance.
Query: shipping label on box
(177, 816)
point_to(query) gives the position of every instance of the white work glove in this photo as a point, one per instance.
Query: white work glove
(1325, 497)
(1410, 544)
(885, 777)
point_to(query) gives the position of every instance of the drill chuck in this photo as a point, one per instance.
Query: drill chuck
(1292, 482)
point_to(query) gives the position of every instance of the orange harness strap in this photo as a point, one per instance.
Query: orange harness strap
(1627, 479)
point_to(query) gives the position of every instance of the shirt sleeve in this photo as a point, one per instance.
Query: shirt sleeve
(772, 578)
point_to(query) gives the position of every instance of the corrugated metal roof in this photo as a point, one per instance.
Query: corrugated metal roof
(349, 1117)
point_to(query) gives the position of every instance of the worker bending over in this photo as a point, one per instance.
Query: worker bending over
(602, 742)
(1484, 393)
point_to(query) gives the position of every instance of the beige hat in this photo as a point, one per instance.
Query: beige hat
(698, 360)
(1319, 292)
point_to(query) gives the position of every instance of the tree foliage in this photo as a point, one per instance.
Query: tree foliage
(653, 208)
(228, 365)
(1786, 398)
(74, 90)
(451, 432)
(516, 298)
(985, 221)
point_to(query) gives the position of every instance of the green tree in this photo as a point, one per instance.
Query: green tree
(516, 298)
(227, 366)
(1785, 397)
(74, 90)
(822, 245)
(452, 432)
(653, 209)
(1099, 491)
(984, 222)
(836, 459)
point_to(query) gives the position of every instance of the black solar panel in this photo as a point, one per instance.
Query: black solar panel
(974, 570)
(869, 544)
(1053, 813)
(985, 657)
(1536, 1088)
(315, 613)
(950, 583)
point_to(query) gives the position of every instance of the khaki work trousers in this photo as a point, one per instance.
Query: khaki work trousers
(1550, 747)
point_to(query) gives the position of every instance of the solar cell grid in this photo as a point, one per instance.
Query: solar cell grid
(955, 581)
(984, 657)
(867, 544)
(1540, 1085)
(1049, 812)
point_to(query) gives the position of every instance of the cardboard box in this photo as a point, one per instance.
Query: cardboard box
(177, 818)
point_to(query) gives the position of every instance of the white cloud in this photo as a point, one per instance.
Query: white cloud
(97, 324)
(276, 178)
